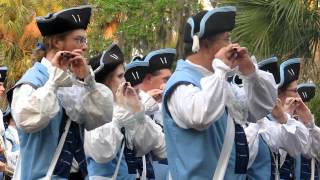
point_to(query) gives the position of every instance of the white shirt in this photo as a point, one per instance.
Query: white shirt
(152, 107)
(103, 143)
(87, 103)
(315, 142)
(313, 150)
(192, 107)
(291, 137)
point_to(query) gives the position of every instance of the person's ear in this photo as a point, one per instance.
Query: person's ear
(57, 43)
(148, 79)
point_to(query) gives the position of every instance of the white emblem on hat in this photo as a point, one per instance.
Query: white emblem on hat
(163, 60)
(114, 56)
(291, 72)
(135, 75)
(304, 94)
(75, 19)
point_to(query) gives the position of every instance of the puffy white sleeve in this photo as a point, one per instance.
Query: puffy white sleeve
(195, 108)
(192, 107)
(32, 108)
(261, 93)
(102, 144)
(141, 132)
(88, 103)
(315, 142)
(150, 138)
(291, 137)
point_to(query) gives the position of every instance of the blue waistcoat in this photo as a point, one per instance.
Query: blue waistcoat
(192, 154)
(303, 168)
(37, 149)
(108, 169)
(261, 167)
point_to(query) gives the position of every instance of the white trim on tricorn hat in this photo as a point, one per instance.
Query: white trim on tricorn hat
(289, 71)
(160, 59)
(136, 70)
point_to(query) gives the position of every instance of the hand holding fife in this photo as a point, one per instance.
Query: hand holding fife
(290, 105)
(233, 55)
(227, 55)
(127, 97)
(303, 112)
(243, 60)
(74, 60)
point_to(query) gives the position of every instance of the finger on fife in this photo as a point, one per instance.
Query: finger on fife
(67, 55)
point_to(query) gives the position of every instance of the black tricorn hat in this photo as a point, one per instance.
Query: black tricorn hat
(209, 23)
(160, 59)
(136, 70)
(271, 65)
(64, 20)
(306, 91)
(105, 62)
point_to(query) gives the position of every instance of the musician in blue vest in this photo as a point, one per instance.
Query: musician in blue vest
(202, 116)
(159, 71)
(151, 89)
(288, 101)
(307, 165)
(294, 106)
(272, 133)
(57, 99)
(107, 146)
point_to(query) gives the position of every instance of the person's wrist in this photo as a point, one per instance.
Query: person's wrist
(282, 118)
(136, 108)
(247, 69)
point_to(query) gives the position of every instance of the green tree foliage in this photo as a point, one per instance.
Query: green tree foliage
(284, 29)
(277, 27)
(142, 24)
(315, 105)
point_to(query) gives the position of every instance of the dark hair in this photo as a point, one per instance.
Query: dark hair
(155, 73)
(284, 87)
(187, 49)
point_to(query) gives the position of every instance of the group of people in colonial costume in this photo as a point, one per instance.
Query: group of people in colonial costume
(217, 115)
